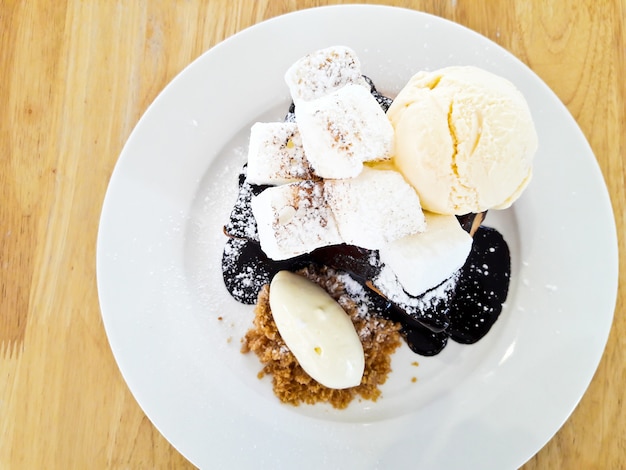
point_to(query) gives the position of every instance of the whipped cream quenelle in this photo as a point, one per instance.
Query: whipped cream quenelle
(464, 138)
(317, 330)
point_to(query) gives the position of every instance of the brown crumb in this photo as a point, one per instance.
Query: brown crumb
(415, 363)
(413, 379)
(291, 384)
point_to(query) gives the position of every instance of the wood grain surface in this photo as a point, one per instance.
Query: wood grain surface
(75, 76)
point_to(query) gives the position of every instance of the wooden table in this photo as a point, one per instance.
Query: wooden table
(75, 76)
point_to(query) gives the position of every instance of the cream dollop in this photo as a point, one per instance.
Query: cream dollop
(317, 330)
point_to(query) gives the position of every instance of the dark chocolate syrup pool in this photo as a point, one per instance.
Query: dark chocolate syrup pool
(465, 315)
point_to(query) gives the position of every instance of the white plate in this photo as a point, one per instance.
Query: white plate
(490, 405)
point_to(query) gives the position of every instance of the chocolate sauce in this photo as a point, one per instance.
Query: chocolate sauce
(241, 223)
(465, 316)
(246, 269)
(424, 342)
(482, 288)
(383, 100)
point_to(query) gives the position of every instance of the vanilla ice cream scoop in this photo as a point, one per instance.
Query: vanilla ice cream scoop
(464, 138)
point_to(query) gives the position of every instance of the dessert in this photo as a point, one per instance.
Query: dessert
(335, 194)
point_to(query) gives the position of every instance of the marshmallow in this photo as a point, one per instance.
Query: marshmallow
(424, 260)
(294, 219)
(375, 208)
(275, 154)
(323, 72)
(342, 130)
